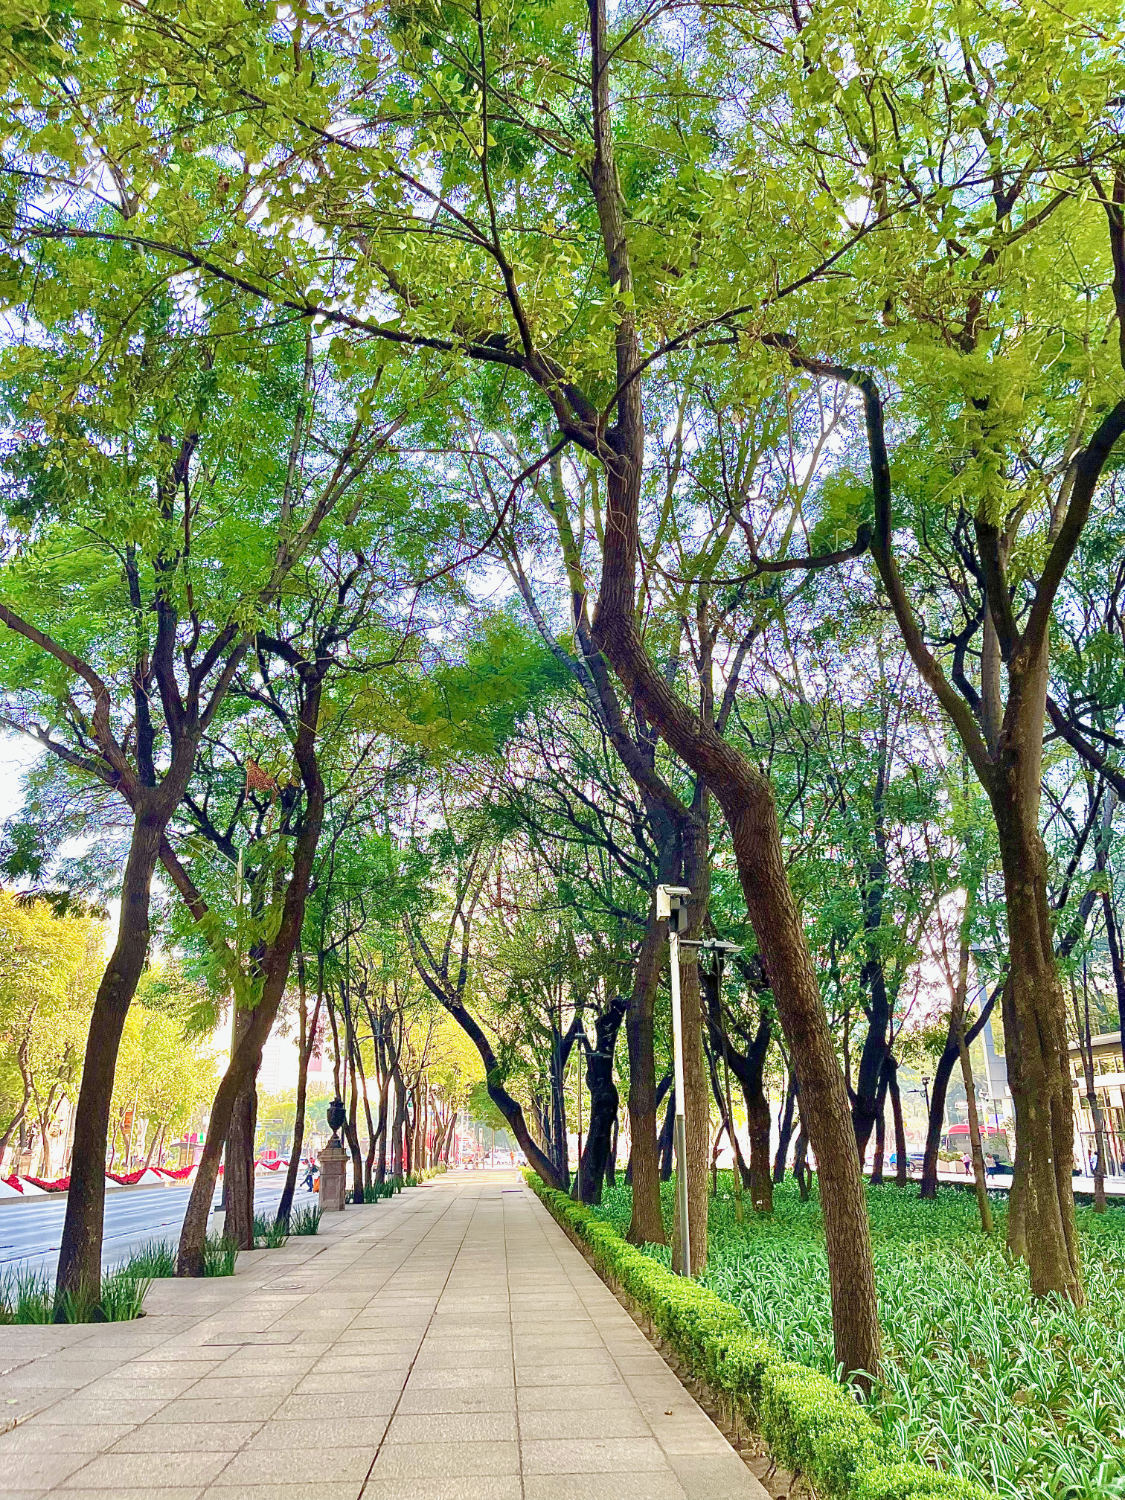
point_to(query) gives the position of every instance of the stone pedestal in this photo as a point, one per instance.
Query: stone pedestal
(333, 1176)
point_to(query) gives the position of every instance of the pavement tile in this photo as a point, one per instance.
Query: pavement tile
(410, 1461)
(326, 1407)
(459, 1379)
(314, 1464)
(590, 1455)
(186, 1437)
(453, 1427)
(208, 1409)
(715, 1478)
(40, 1470)
(151, 1471)
(36, 1437)
(478, 1487)
(278, 1492)
(424, 1401)
(353, 1432)
(176, 1492)
(80, 1412)
(646, 1485)
(593, 1422)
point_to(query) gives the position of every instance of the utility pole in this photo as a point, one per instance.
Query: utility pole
(671, 903)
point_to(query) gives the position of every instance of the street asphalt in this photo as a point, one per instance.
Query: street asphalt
(30, 1232)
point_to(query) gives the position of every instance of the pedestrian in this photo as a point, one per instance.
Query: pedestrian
(310, 1174)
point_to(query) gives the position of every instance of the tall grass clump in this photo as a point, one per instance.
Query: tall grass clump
(268, 1233)
(1025, 1395)
(219, 1256)
(306, 1220)
(30, 1297)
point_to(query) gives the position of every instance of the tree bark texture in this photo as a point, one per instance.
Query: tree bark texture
(1041, 1225)
(80, 1252)
(603, 1101)
(276, 962)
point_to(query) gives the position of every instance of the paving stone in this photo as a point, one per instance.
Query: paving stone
(152, 1471)
(454, 1345)
(42, 1470)
(453, 1427)
(186, 1437)
(407, 1461)
(646, 1485)
(478, 1487)
(318, 1463)
(591, 1455)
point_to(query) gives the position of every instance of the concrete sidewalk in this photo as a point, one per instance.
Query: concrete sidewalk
(448, 1344)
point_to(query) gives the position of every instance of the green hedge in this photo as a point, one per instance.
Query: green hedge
(810, 1424)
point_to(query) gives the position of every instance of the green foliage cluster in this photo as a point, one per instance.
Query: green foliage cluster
(157, 1260)
(305, 1221)
(30, 1297)
(268, 1233)
(809, 1422)
(980, 1377)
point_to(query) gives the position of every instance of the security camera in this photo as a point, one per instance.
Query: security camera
(671, 898)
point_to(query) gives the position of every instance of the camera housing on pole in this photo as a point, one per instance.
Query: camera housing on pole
(671, 905)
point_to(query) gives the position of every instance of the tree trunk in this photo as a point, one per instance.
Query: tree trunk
(980, 1180)
(603, 1101)
(901, 1163)
(667, 1131)
(942, 1074)
(1041, 1225)
(351, 1129)
(398, 1155)
(880, 1129)
(801, 1162)
(369, 1156)
(785, 1128)
(751, 815)
(238, 1226)
(80, 1252)
(276, 962)
(1086, 1050)
(306, 1043)
(1117, 962)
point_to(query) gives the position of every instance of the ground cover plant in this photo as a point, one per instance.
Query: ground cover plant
(305, 1220)
(30, 1297)
(1024, 1395)
(157, 1259)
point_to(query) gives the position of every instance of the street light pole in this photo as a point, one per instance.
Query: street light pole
(670, 900)
(680, 1129)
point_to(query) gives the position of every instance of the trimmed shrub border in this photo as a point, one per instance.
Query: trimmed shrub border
(809, 1423)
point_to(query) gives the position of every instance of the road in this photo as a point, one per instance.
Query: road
(30, 1232)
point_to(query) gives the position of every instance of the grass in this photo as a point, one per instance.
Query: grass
(1025, 1396)
(30, 1297)
(376, 1190)
(268, 1233)
(157, 1260)
(305, 1220)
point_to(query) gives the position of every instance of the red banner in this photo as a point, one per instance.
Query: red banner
(59, 1185)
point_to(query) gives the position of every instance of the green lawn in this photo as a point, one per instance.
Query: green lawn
(1025, 1396)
